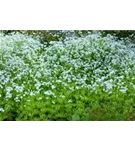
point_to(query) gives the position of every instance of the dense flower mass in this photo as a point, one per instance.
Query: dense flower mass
(69, 78)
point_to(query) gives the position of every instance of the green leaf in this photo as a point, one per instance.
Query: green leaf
(75, 117)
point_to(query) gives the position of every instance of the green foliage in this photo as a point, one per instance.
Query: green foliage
(85, 77)
(58, 35)
(120, 33)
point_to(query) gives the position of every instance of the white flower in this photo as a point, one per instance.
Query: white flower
(17, 99)
(38, 74)
(53, 87)
(32, 93)
(1, 110)
(8, 95)
(62, 96)
(123, 89)
(69, 101)
(49, 93)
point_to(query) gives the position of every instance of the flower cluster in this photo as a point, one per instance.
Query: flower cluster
(28, 71)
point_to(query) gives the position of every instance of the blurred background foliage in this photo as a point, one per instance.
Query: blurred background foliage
(50, 35)
(120, 33)
(55, 35)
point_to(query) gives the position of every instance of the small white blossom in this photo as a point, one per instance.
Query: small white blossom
(49, 93)
(1, 110)
(69, 101)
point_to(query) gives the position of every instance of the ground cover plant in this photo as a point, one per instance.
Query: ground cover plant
(76, 77)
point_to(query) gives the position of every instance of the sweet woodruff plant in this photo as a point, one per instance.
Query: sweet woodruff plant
(91, 77)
